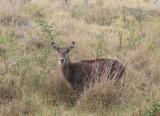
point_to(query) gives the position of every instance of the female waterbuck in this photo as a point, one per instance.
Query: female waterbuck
(80, 74)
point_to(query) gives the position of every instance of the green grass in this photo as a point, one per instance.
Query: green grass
(154, 109)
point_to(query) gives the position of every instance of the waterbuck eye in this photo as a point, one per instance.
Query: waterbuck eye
(67, 50)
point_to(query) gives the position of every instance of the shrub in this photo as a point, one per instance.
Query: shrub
(154, 110)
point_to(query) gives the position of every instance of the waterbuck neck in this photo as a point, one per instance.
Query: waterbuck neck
(65, 70)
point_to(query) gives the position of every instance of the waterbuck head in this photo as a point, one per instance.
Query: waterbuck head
(63, 52)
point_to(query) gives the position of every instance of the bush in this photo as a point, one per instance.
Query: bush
(154, 110)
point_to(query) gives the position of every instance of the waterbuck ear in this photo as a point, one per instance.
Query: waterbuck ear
(71, 46)
(55, 46)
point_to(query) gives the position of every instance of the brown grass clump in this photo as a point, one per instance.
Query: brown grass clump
(33, 44)
(12, 20)
(58, 90)
(27, 105)
(9, 90)
(100, 96)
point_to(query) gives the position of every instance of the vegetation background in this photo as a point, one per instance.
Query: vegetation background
(30, 81)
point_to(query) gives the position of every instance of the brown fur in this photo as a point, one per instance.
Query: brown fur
(81, 73)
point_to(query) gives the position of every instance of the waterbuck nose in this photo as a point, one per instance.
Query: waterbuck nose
(62, 60)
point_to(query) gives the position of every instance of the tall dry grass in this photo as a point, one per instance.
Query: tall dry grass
(30, 80)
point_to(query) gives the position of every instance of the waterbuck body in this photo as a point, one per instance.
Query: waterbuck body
(80, 74)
